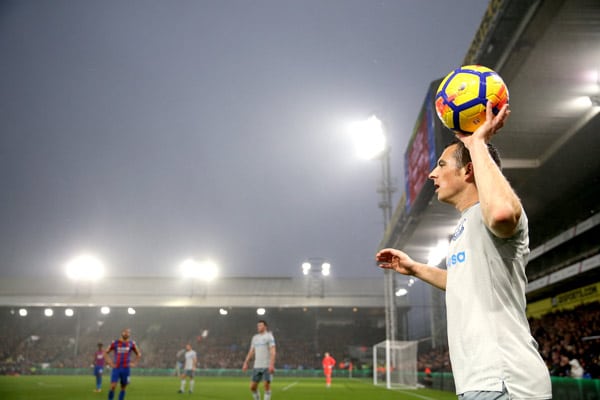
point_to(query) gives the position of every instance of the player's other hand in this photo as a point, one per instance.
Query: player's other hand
(271, 369)
(245, 367)
(396, 260)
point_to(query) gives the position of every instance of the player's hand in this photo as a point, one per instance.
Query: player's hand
(492, 124)
(245, 367)
(396, 260)
(271, 369)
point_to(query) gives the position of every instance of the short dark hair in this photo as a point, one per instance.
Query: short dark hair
(463, 157)
(263, 321)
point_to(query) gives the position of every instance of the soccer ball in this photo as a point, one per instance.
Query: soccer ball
(462, 96)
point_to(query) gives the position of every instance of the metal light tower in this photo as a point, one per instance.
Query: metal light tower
(371, 142)
(386, 189)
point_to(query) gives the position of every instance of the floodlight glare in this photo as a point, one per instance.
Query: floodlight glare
(48, 312)
(369, 138)
(105, 310)
(401, 292)
(85, 268)
(23, 312)
(325, 269)
(261, 311)
(69, 312)
(131, 311)
(205, 270)
(223, 311)
(305, 268)
(438, 253)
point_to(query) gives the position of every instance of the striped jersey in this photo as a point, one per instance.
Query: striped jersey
(99, 358)
(122, 350)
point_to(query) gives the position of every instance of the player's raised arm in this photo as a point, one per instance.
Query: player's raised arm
(500, 206)
(400, 262)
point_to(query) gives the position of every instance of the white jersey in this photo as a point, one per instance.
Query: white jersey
(190, 356)
(262, 343)
(489, 338)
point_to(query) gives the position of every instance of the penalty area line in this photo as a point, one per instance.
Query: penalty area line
(289, 386)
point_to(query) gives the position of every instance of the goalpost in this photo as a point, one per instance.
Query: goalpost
(395, 364)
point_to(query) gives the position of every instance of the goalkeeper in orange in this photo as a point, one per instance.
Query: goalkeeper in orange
(328, 364)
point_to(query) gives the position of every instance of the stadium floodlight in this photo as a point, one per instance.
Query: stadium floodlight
(306, 267)
(204, 270)
(401, 292)
(369, 138)
(223, 311)
(85, 268)
(260, 311)
(23, 312)
(69, 312)
(105, 310)
(48, 312)
(325, 267)
(131, 311)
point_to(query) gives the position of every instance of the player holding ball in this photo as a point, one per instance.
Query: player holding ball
(492, 352)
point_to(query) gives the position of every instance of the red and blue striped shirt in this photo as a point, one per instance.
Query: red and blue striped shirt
(122, 349)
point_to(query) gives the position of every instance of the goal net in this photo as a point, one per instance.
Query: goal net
(395, 364)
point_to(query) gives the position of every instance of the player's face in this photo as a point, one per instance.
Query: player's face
(126, 334)
(188, 347)
(260, 327)
(447, 177)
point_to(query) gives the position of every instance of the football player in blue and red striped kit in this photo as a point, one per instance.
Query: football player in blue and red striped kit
(98, 367)
(121, 362)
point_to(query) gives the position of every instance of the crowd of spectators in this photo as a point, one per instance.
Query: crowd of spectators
(569, 341)
(221, 342)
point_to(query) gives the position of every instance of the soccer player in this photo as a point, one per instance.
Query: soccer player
(189, 368)
(122, 348)
(98, 364)
(262, 347)
(328, 364)
(492, 352)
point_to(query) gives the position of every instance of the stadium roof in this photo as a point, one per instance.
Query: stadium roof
(177, 292)
(548, 53)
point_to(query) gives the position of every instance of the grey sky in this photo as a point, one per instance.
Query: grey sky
(146, 132)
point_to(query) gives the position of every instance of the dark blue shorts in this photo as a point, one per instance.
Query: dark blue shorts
(120, 375)
(98, 370)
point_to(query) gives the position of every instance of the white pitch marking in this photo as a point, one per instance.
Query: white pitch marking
(290, 385)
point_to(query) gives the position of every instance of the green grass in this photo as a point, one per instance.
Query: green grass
(164, 388)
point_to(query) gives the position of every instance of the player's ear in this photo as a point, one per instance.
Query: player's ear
(470, 174)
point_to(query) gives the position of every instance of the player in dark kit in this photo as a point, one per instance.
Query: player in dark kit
(121, 362)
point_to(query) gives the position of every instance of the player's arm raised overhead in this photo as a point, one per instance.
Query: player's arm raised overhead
(500, 205)
(400, 262)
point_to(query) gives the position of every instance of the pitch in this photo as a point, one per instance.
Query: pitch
(39, 387)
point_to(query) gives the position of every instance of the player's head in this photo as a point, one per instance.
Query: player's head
(262, 326)
(126, 333)
(188, 347)
(463, 157)
(454, 174)
(326, 354)
(100, 346)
